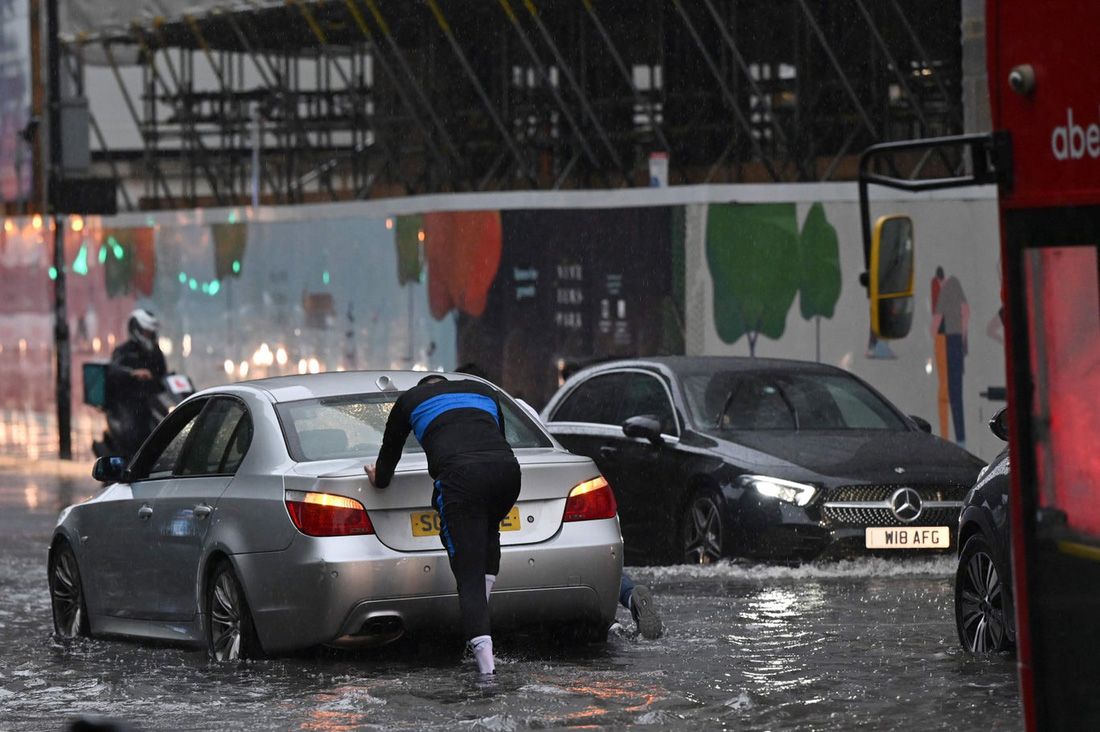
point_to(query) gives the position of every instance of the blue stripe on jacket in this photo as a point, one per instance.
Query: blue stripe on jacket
(429, 409)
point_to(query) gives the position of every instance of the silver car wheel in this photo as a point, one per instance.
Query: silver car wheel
(980, 607)
(703, 531)
(231, 636)
(70, 617)
(225, 620)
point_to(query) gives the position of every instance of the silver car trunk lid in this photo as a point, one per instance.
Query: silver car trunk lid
(402, 514)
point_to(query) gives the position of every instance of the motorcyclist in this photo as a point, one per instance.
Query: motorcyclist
(134, 376)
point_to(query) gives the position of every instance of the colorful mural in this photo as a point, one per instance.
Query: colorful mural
(523, 292)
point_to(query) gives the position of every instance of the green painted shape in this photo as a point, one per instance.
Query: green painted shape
(752, 253)
(410, 256)
(230, 241)
(819, 266)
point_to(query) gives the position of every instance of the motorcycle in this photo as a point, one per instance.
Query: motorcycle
(172, 389)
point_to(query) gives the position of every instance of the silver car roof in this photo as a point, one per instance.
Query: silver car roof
(335, 383)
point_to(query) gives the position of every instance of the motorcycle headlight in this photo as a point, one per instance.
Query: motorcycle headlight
(785, 490)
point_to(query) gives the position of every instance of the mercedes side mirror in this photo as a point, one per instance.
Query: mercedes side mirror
(922, 424)
(645, 426)
(998, 423)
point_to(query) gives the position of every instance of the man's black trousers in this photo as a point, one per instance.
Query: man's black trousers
(472, 500)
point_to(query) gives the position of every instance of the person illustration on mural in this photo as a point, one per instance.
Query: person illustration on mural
(950, 315)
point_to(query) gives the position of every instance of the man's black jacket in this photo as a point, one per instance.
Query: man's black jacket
(456, 422)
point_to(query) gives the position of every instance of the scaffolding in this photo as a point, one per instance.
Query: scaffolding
(329, 100)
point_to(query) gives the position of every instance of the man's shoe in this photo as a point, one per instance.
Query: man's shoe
(644, 611)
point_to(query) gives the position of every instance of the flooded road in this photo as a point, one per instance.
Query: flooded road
(839, 646)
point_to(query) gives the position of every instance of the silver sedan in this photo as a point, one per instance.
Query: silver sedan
(247, 524)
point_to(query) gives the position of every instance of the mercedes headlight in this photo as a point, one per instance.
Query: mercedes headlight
(785, 490)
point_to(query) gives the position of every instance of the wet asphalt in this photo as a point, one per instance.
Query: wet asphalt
(867, 644)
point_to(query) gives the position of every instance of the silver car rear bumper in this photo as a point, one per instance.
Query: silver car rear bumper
(336, 590)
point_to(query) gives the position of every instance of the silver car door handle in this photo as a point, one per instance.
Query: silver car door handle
(203, 510)
(144, 512)
(606, 451)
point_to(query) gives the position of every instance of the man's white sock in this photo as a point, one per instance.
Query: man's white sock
(483, 652)
(490, 579)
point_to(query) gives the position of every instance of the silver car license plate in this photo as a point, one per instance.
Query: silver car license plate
(426, 523)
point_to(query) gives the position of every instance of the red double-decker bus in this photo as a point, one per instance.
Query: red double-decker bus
(1044, 83)
(1044, 156)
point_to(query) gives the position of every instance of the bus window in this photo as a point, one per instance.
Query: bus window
(1064, 328)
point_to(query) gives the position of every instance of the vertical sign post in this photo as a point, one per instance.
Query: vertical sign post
(61, 322)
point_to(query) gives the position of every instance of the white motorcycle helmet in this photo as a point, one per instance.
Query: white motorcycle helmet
(142, 327)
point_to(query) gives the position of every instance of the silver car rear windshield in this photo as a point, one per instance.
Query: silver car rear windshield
(352, 426)
(738, 400)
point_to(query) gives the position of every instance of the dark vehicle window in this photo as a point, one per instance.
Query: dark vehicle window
(644, 394)
(861, 408)
(220, 429)
(165, 447)
(520, 429)
(353, 427)
(238, 446)
(785, 401)
(595, 401)
(759, 405)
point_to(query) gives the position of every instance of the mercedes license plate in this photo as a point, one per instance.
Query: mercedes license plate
(426, 523)
(909, 537)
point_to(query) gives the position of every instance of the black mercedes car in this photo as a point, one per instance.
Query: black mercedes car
(713, 457)
(984, 613)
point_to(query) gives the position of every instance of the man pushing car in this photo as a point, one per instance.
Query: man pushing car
(460, 425)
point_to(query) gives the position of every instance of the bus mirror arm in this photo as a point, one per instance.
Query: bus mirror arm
(991, 163)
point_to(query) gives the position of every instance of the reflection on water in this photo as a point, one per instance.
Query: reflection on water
(33, 435)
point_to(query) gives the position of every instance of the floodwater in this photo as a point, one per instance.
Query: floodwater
(838, 646)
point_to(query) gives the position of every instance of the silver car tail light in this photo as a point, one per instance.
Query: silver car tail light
(325, 514)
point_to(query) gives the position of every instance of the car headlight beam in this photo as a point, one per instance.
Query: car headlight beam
(787, 491)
